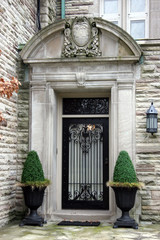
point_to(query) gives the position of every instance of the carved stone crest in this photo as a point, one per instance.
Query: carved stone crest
(81, 38)
(81, 32)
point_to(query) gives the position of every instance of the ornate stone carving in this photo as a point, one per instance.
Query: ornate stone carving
(81, 78)
(81, 38)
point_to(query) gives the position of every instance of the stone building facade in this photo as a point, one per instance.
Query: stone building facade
(19, 24)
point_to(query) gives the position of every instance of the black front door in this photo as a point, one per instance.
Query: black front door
(85, 163)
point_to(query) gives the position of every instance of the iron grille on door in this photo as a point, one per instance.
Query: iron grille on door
(85, 163)
(85, 154)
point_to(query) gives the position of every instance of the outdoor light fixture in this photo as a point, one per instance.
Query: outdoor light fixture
(152, 119)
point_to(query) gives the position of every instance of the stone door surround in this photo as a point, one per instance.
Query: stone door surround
(112, 72)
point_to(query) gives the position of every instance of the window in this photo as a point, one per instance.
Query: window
(137, 28)
(131, 15)
(137, 18)
(111, 11)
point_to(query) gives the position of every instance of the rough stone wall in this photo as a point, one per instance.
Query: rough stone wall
(73, 8)
(47, 12)
(22, 132)
(17, 25)
(148, 145)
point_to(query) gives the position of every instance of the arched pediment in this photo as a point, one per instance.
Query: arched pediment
(72, 39)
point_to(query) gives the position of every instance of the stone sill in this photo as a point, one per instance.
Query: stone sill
(145, 42)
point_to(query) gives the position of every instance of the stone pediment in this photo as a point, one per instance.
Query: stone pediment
(87, 39)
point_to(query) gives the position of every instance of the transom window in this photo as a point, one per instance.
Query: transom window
(131, 15)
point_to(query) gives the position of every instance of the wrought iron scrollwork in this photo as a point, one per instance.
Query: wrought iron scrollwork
(85, 106)
(85, 193)
(81, 134)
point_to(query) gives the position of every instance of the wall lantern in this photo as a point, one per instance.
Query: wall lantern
(152, 124)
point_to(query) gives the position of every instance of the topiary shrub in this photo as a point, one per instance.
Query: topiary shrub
(124, 173)
(33, 174)
(124, 170)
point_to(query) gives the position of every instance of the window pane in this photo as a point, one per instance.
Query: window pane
(110, 6)
(138, 29)
(137, 5)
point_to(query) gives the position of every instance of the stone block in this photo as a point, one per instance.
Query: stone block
(148, 68)
(156, 195)
(156, 84)
(150, 203)
(23, 96)
(22, 148)
(23, 125)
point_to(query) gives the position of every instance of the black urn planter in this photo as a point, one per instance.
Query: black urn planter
(33, 200)
(125, 199)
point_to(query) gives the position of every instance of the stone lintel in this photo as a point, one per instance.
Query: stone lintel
(127, 59)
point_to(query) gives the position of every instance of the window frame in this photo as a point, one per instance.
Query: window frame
(124, 16)
(138, 16)
(111, 17)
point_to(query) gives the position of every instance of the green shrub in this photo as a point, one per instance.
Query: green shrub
(33, 172)
(124, 170)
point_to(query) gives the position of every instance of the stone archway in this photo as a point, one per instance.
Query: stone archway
(62, 63)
